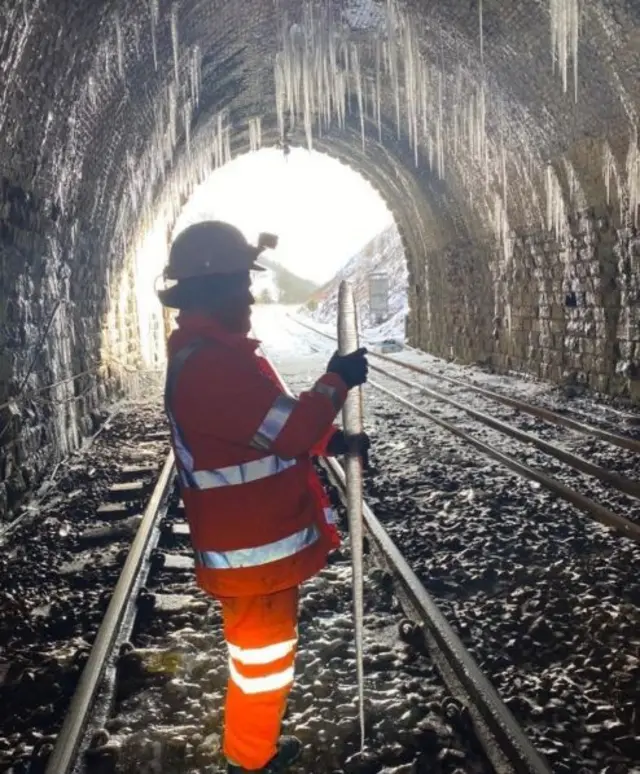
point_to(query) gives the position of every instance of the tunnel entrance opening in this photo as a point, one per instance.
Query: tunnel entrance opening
(331, 224)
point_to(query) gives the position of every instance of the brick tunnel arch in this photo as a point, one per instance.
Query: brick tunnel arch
(515, 185)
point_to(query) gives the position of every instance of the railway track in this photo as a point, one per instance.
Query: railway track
(540, 412)
(57, 561)
(593, 509)
(82, 744)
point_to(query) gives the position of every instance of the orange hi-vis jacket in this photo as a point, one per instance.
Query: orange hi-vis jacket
(259, 518)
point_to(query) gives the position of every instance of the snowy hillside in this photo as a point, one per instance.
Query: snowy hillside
(279, 285)
(264, 287)
(384, 253)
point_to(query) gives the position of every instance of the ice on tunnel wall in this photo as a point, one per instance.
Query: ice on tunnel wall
(556, 217)
(150, 259)
(255, 134)
(330, 66)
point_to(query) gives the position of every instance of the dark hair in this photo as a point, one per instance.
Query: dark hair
(201, 292)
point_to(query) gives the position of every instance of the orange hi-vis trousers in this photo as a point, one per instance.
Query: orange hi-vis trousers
(261, 635)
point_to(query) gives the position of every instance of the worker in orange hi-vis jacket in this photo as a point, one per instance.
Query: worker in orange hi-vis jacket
(260, 521)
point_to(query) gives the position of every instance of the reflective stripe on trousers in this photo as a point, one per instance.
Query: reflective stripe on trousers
(265, 684)
(262, 657)
(253, 557)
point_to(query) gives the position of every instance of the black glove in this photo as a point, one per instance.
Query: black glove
(353, 368)
(339, 444)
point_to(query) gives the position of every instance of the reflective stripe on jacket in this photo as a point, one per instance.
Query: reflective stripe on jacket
(259, 518)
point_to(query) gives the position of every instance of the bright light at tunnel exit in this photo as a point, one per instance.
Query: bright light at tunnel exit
(322, 211)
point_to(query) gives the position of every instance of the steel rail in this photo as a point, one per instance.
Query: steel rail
(513, 741)
(528, 408)
(575, 461)
(590, 507)
(65, 753)
(621, 483)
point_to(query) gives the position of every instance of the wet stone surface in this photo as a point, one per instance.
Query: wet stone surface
(55, 585)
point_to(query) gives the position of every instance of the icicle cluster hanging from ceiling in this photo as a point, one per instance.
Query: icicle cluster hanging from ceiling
(322, 76)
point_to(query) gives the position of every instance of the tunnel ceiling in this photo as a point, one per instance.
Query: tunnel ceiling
(474, 118)
(502, 134)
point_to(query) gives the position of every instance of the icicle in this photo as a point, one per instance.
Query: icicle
(92, 91)
(119, 43)
(481, 33)
(280, 92)
(341, 88)
(392, 28)
(227, 145)
(255, 133)
(307, 97)
(440, 129)
(355, 58)
(503, 162)
(425, 100)
(347, 78)
(154, 15)
(482, 132)
(186, 117)
(175, 42)
(633, 177)
(195, 65)
(326, 89)
(607, 169)
(555, 203)
(173, 116)
(565, 32)
(574, 36)
(379, 87)
(411, 68)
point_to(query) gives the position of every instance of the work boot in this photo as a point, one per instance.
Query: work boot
(289, 749)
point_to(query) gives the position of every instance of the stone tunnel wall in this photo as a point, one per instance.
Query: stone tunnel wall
(111, 112)
(567, 313)
(68, 339)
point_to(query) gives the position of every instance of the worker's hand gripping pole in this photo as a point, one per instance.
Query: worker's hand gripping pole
(348, 341)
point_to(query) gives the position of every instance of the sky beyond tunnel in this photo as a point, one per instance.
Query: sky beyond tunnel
(323, 211)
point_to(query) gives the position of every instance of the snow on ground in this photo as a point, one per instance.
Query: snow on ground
(273, 324)
(384, 253)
